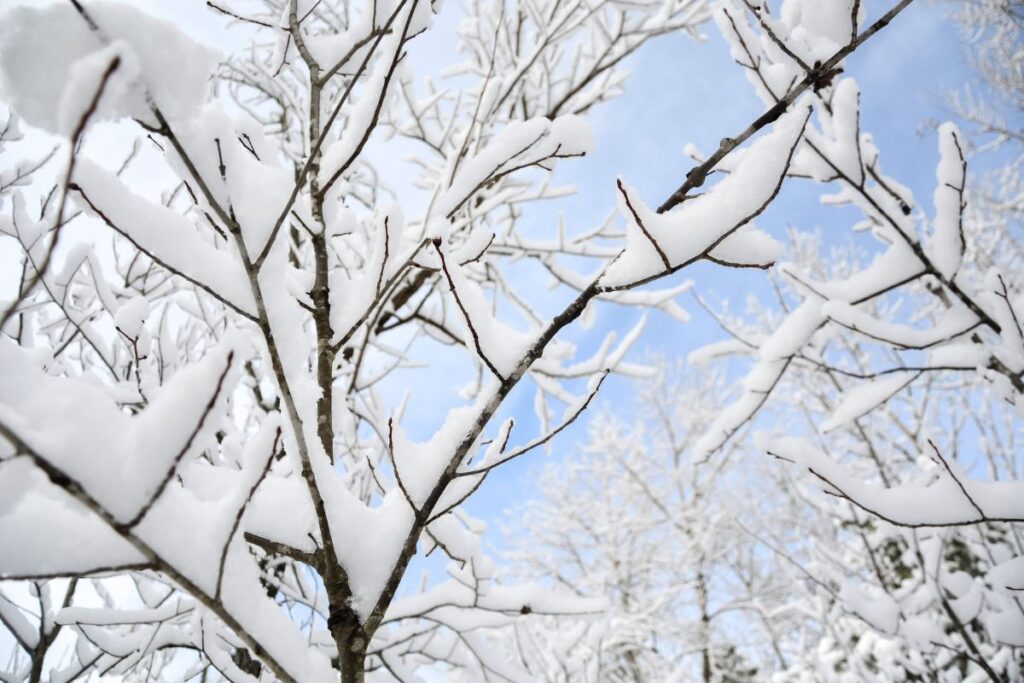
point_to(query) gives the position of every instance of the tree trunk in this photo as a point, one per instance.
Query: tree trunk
(36, 673)
(705, 628)
(351, 639)
(352, 656)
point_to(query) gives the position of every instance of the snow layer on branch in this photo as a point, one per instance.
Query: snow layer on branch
(16, 622)
(818, 28)
(663, 299)
(508, 599)
(773, 358)
(939, 503)
(359, 118)
(947, 243)
(238, 166)
(170, 238)
(420, 464)
(896, 265)
(41, 50)
(45, 532)
(519, 144)
(717, 350)
(281, 511)
(867, 396)
(86, 80)
(706, 222)
(118, 459)
(955, 321)
(1007, 624)
(841, 127)
(357, 287)
(604, 358)
(188, 525)
(244, 597)
(189, 528)
(1008, 577)
(498, 345)
(960, 355)
(368, 540)
(876, 608)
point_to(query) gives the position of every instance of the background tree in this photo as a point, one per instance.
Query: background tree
(667, 541)
(891, 603)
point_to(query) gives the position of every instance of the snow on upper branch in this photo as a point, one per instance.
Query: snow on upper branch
(43, 46)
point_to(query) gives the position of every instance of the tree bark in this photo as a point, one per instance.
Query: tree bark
(352, 641)
(705, 627)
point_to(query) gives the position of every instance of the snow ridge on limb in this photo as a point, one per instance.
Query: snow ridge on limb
(165, 63)
(951, 499)
(947, 243)
(518, 145)
(165, 236)
(129, 492)
(710, 224)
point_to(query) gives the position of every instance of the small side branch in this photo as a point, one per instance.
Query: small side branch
(643, 228)
(465, 313)
(241, 511)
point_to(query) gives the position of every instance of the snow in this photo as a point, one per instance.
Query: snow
(131, 315)
(281, 511)
(366, 539)
(939, 503)
(118, 460)
(172, 67)
(953, 323)
(169, 237)
(774, 355)
(717, 350)
(44, 532)
(894, 265)
(1007, 576)
(518, 145)
(876, 608)
(867, 396)
(818, 28)
(359, 119)
(245, 599)
(356, 289)
(947, 244)
(86, 78)
(959, 355)
(16, 622)
(842, 142)
(704, 222)
(497, 344)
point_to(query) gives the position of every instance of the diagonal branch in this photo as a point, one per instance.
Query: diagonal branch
(818, 75)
